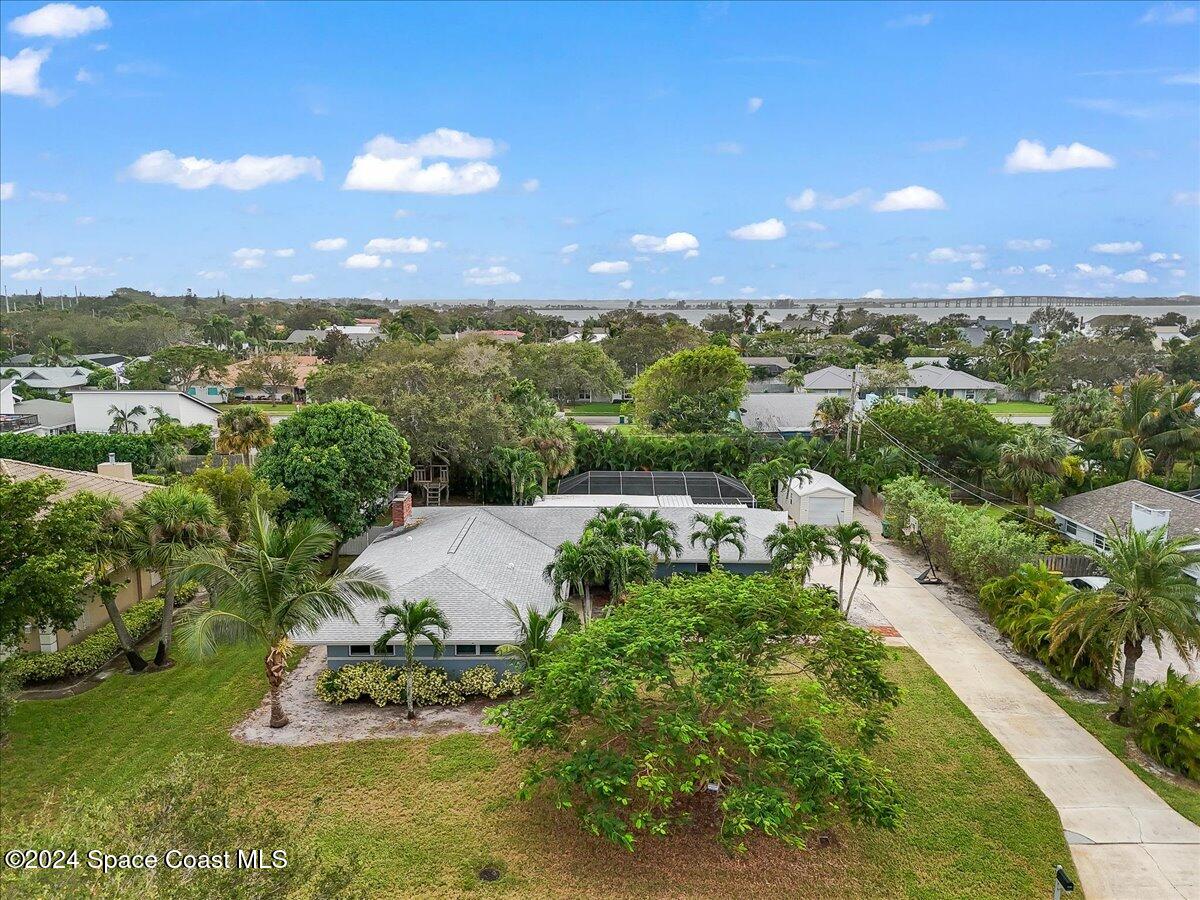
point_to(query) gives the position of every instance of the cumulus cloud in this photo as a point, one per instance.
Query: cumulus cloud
(409, 268)
(912, 197)
(968, 285)
(754, 104)
(490, 275)
(530, 185)
(1186, 198)
(366, 261)
(717, 279)
(49, 196)
(242, 174)
(303, 279)
(16, 260)
(1163, 259)
(676, 242)
(390, 165)
(625, 285)
(1044, 269)
(1029, 244)
(21, 75)
(1093, 271)
(803, 201)
(1118, 247)
(338, 243)
(609, 267)
(809, 199)
(769, 230)
(876, 294)
(84, 76)
(399, 245)
(250, 257)
(60, 20)
(1135, 276)
(1032, 156)
(7, 190)
(569, 248)
(975, 254)
(914, 20)
(284, 253)
(62, 260)
(1169, 13)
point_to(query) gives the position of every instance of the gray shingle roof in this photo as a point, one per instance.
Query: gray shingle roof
(771, 413)
(943, 379)
(1095, 509)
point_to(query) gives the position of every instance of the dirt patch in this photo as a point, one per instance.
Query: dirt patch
(314, 721)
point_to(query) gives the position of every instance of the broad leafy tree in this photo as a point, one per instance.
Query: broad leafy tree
(564, 371)
(234, 489)
(693, 390)
(186, 365)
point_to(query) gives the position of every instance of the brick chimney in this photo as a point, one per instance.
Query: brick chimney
(401, 509)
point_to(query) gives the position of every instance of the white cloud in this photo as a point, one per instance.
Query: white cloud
(569, 248)
(1186, 198)
(876, 294)
(1029, 244)
(302, 279)
(85, 76)
(389, 165)
(84, 220)
(530, 185)
(606, 267)
(625, 285)
(60, 20)
(847, 201)
(754, 104)
(284, 253)
(769, 230)
(399, 245)
(1163, 259)
(1015, 270)
(62, 260)
(803, 201)
(676, 242)
(16, 260)
(401, 214)
(975, 254)
(1031, 156)
(912, 197)
(915, 20)
(210, 275)
(747, 291)
(1187, 78)
(939, 145)
(1044, 269)
(250, 257)
(491, 275)
(20, 75)
(242, 174)
(1118, 247)
(338, 243)
(691, 254)
(717, 279)
(967, 285)
(812, 226)
(31, 274)
(1093, 271)
(728, 148)
(366, 261)
(49, 196)
(410, 268)
(809, 199)
(7, 189)
(1135, 276)
(1169, 13)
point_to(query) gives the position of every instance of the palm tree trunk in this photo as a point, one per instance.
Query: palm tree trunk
(1029, 500)
(408, 678)
(276, 664)
(130, 649)
(853, 589)
(1133, 652)
(162, 655)
(842, 580)
(587, 602)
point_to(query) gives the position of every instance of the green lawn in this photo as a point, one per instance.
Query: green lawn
(278, 409)
(425, 815)
(1094, 717)
(1020, 408)
(598, 409)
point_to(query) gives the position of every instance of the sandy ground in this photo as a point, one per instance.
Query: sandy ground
(315, 722)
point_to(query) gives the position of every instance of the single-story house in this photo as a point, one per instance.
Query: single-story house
(577, 335)
(836, 381)
(471, 559)
(1165, 333)
(773, 365)
(113, 479)
(782, 415)
(358, 334)
(54, 379)
(976, 333)
(92, 409)
(819, 499)
(1131, 504)
(227, 389)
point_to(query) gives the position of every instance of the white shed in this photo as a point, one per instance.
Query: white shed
(818, 500)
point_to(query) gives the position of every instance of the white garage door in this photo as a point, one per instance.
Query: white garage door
(826, 510)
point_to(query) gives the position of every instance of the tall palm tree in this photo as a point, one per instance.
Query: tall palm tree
(1139, 420)
(161, 530)
(242, 429)
(124, 421)
(846, 539)
(658, 536)
(626, 565)
(1030, 459)
(795, 548)
(553, 440)
(870, 563)
(268, 587)
(1149, 596)
(620, 524)
(1018, 352)
(534, 632)
(575, 567)
(55, 351)
(832, 415)
(412, 619)
(714, 531)
(258, 327)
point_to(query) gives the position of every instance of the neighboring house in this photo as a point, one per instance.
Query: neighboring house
(836, 381)
(915, 361)
(976, 333)
(576, 335)
(358, 334)
(587, 395)
(804, 326)
(831, 381)
(114, 361)
(1164, 333)
(819, 499)
(471, 559)
(651, 489)
(766, 374)
(92, 409)
(113, 479)
(54, 379)
(43, 417)
(780, 415)
(773, 366)
(1130, 504)
(228, 388)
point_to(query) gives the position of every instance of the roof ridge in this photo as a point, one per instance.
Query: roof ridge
(515, 527)
(78, 473)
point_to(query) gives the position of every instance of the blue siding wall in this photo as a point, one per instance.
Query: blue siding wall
(456, 664)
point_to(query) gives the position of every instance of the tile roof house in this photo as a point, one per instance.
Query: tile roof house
(227, 388)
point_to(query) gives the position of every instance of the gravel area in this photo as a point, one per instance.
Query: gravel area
(315, 722)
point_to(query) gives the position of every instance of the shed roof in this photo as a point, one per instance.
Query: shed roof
(818, 483)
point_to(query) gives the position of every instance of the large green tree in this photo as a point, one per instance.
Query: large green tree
(671, 707)
(692, 390)
(564, 371)
(338, 461)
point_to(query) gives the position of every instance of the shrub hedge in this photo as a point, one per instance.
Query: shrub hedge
(1166, 722)
(382, 684)
(83, 452)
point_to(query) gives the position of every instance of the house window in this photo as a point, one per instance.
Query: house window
(360, 649)
(488, 649)
(1101, 543)
(214, 391)
(464, 650)
(585, 396)
(191, 392)
(1069, 528)
(969, 395)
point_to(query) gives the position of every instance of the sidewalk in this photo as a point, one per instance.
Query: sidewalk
(1126, 842)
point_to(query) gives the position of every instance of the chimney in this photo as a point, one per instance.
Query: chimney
(114, 469)
(401, 509)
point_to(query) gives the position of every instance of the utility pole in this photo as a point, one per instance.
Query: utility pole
(850, 414)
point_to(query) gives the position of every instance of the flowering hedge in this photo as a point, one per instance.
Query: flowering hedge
(382, 684)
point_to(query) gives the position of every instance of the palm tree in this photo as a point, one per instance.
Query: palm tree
(869, 562)
(1018, 352)
(1139, 419)
(1149, 596)
(553, 440)
(124, 421)
(106, 553)
(832, 415)
(978, 457)
(242, 429)
(161, 417)
(218, 331)
(795, 548)
(524, 469)
(258, 327)
(412, 619)
(1031, 459)
(534, 632)
(1084, 411)
(846, 539)
(712, 531)
(268, 587)
(160, 531)
(575, 567)
(657, 535)
(55, 351)
(620, 524)
(626, 565)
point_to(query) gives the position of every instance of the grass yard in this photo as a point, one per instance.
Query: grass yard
(599, 409)
(277, 409)
(423, 816)
(1184, 798)
(1020, 408)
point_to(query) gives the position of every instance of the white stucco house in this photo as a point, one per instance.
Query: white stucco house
(819, 499)
(93, 409)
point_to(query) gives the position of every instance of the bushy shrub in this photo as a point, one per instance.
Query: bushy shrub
(1166, 722)
(89, 654)
(82, 452)
(383, 684)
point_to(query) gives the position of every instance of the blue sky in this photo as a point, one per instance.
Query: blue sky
(691, 150)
